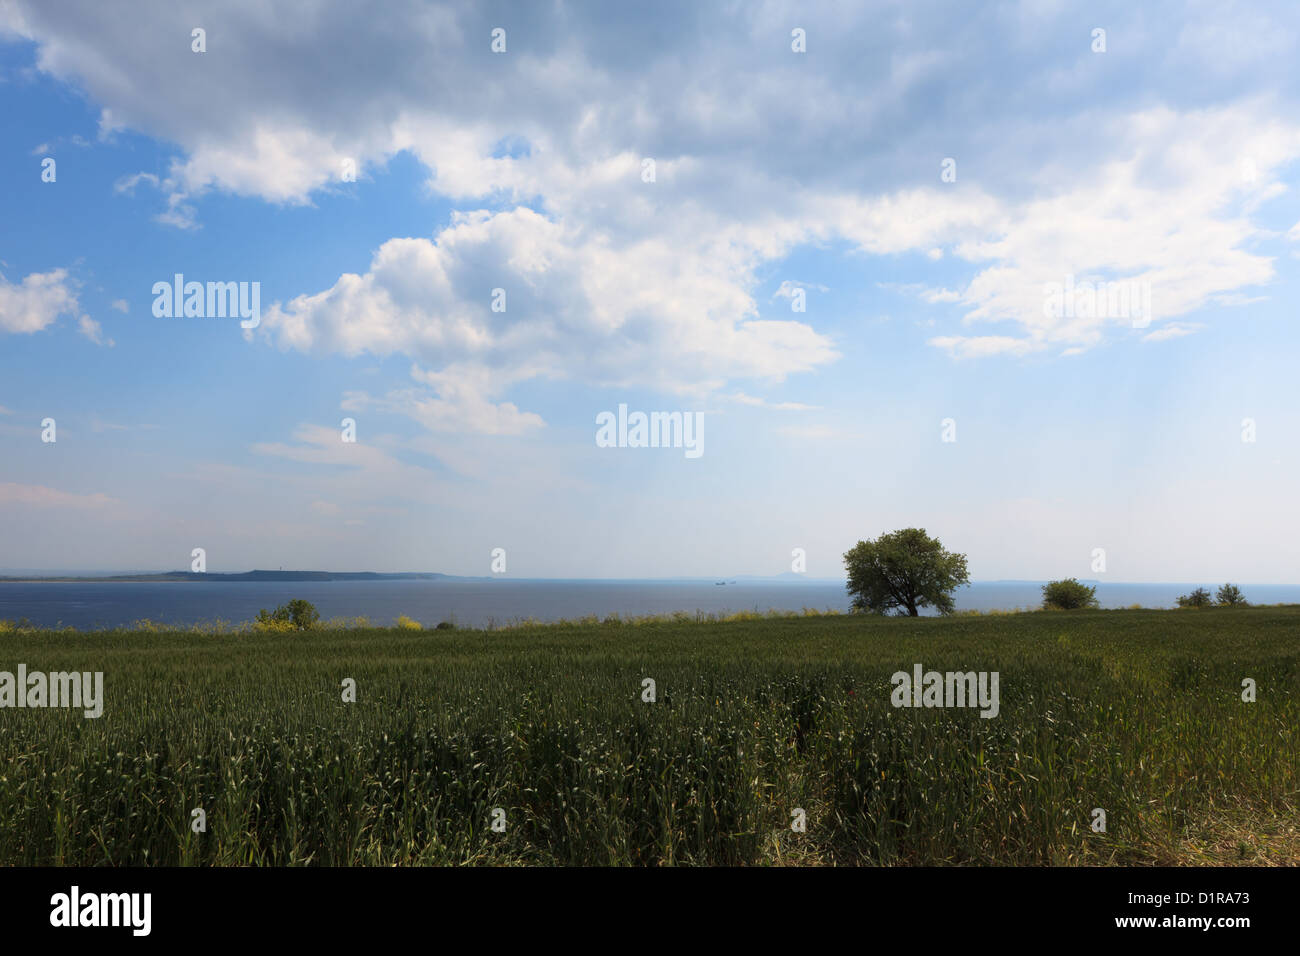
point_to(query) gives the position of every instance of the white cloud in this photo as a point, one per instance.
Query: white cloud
(1169, 214)
(1169, 217)
(644, 312)
(35, 303)
(1238, 298)
(39, 496)
(936, 296)
(758, 152)
(126, 185)
(788, 287)
(1173, 330)
(983, 346)
(756, 402)
(179, 212)
(93, 331)
(456, 402)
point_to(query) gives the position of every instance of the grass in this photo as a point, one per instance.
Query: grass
(1135, 712)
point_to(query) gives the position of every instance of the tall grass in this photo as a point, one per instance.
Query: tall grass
(1135, 712)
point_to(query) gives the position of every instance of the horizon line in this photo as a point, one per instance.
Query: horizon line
(784, 577)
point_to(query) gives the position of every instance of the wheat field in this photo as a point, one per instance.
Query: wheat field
(545, 730)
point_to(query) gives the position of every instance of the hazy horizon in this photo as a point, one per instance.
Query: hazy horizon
(785, 577)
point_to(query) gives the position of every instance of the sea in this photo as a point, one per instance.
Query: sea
(89, 605)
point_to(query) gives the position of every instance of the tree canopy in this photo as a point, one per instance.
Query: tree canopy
(1068, 595)
(1198, 598)
(902, 572)
(1230, 596)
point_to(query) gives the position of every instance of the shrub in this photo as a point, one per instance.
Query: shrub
(273, 621)
(446, 626)
(297, 615)
(1198, 598)
(407, 624)
(1068, 595)
(1230, 596)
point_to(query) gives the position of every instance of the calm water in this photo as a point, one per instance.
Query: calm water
(480, 603)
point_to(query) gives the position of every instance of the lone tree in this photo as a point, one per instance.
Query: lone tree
(903, 572)
(1068, 595)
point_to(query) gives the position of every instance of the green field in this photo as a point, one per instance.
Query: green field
(1136, 712)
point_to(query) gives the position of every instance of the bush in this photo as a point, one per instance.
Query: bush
(272, 622)
(1068, 595)
(1198, 598)
(1230, 596)
(446, 626)
(407, 624)
(297, 615)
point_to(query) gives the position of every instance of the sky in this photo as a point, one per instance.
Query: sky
(835, 235)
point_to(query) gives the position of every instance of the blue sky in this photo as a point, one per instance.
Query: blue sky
(1168, 161)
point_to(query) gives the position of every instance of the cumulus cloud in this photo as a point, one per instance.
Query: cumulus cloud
(459, 400)
(1169, 217)
(757, 152)
(35, 303)
(570, 302)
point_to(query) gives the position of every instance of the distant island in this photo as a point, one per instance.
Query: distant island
(165, 576)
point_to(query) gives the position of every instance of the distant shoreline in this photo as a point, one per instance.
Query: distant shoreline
(289, 577)
(167, 577)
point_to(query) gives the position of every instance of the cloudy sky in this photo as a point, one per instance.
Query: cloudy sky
(828, 229)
